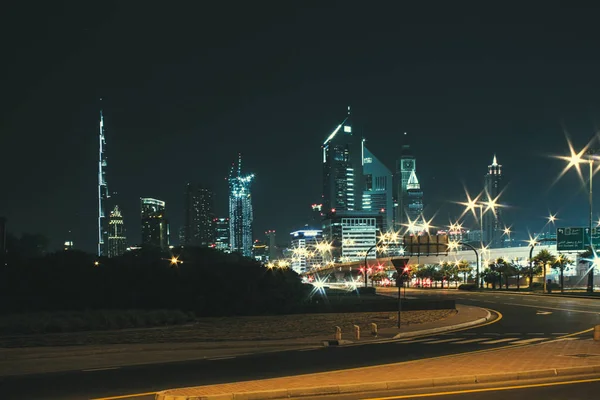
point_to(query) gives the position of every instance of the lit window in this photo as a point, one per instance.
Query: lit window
(347, 128)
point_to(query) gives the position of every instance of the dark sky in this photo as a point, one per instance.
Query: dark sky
(186, 87)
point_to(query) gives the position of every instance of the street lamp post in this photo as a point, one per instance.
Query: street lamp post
(532, 244)
(366, 266)
(591, 272)
(478, 263)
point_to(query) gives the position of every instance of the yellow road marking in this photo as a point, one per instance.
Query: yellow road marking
(533, 385)
(126, 396)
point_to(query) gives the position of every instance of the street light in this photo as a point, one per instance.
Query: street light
(470, 205)
(386, 239)
(455, 245)
(507, 232)
(532, 243)
(575, 159)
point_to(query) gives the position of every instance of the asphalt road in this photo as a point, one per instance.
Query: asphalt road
(526, 319)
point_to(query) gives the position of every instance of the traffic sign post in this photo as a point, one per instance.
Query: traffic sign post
(576, 238)
(400, 264)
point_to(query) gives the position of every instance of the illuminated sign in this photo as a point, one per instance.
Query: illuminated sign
(347, 128)
(368, 160)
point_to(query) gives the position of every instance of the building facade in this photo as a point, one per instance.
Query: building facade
(155, 226)
(117, 242)
(492, 219)
(378, 190)
(342, 169)
(198, 226)
(102, 191)
(409, 195)
(413, 198)
(272, 244)
(352, 232)
(304, 252)
(222, 234)
(240, 211)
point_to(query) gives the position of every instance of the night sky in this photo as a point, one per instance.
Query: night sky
(186, 88)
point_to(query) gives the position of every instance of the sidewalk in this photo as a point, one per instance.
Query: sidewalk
(563, 357)
(21, 361)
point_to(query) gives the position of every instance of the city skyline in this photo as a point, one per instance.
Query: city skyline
(460, 104)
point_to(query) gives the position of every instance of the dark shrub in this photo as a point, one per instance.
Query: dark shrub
(467, 286)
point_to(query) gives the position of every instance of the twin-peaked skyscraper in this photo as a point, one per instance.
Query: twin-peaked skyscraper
(361, 196)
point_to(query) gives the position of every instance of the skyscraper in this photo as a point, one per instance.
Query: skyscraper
(198, 227)
(222, 234)
(405, 167)
(240, 210)
(155, 227)
(117, 242)
(492, 219)
(272, 243)
(342, 169)
(378, 191)
(414, 197)
(102, 191)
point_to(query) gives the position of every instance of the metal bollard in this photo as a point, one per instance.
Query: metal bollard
(374, 329)
(597, 332)
(338, 333)
(356, 332)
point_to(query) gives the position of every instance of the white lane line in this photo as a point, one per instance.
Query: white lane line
(444, 341)
(527, 341)
(99, 369)
(470, 341)
(536, 333)
(514, 333)
(220, 358)
(554, 308)
(499, 341)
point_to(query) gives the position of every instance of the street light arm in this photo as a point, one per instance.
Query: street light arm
(477, 260)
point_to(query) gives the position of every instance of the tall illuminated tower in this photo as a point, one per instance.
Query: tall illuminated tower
(492, 219)
(117, 242)
(102, 191)
(342, 169)
(240, 210)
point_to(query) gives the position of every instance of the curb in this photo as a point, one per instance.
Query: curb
(387, 385)
(445, 328)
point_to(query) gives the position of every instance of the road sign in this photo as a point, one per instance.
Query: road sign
(426, 245)
(576, 238)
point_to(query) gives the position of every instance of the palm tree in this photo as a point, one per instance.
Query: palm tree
(562, 261)
(464, 267)
(544, 258)
(518, 271)
(506, 269)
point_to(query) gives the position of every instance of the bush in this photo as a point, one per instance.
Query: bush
(540, 286)
(467, 286)
(75, 321)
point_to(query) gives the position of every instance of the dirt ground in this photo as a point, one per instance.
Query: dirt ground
(232, 329)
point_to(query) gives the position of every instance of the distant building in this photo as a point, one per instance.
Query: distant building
(241, 215)
(260, 251)
(352, 233)
(272, 244)
(473, 237)
(379, 188)
(342, 169)
(409, 195)
(103, 195)
(303, 250)
(117, 242)
(198, 229)
(492, 219)
(414, 198)
(68, 245)
(222, 234)
(155, 226)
